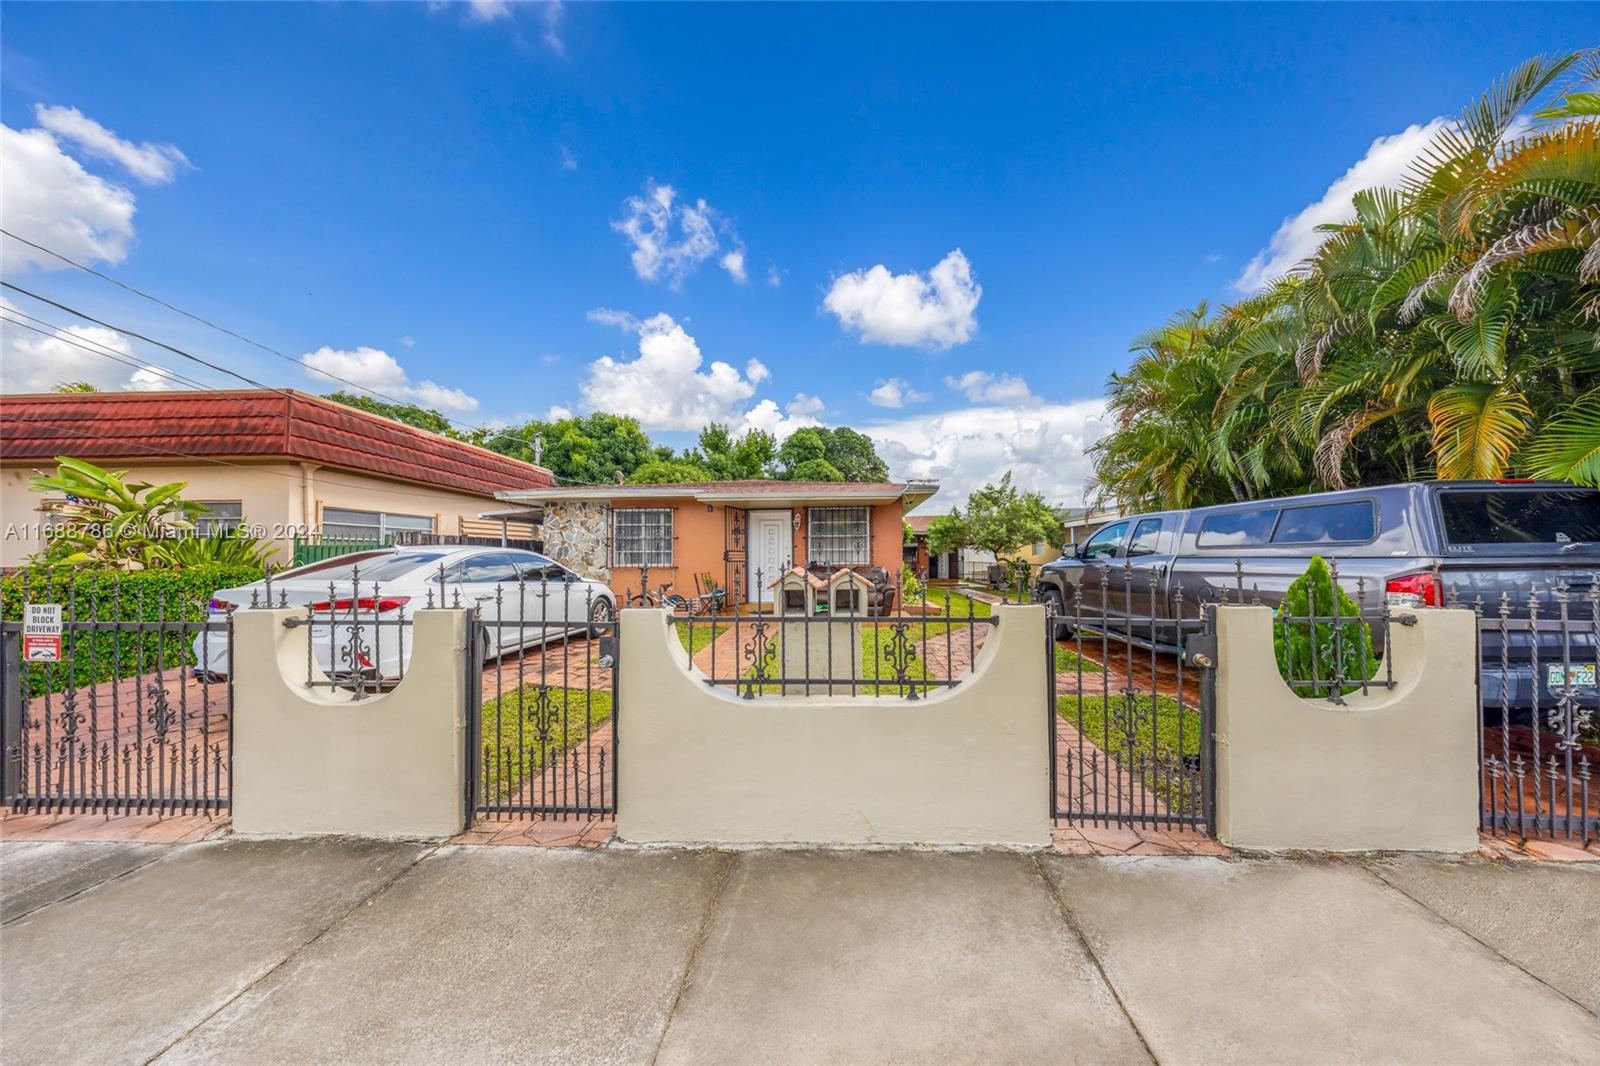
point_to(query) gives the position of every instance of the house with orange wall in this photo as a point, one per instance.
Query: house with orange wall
(739, 534)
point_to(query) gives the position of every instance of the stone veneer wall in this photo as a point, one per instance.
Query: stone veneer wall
(576, 534)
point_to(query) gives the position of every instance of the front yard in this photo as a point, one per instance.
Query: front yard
(524, 731)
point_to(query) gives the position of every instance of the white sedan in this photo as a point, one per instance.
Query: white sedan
(354, 601)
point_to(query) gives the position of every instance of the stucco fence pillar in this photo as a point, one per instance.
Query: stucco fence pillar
(1392, 769)
(965, 765)
(317, 760)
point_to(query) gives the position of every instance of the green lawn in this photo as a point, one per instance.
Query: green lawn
(1068, 662)
(701, 633)
(509, 742)
(875, 672)
(1105, 720)
(957, 605)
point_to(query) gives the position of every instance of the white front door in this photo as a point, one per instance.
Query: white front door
(770, 545)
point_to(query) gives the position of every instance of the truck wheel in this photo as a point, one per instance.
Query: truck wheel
(1053, 604)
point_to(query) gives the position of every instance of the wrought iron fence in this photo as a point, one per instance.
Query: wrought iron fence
(1539, 748)
(133, 717)
(542, 714)
(831, 631)
(1131, 728)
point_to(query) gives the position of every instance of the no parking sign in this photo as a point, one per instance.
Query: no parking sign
(41, 633)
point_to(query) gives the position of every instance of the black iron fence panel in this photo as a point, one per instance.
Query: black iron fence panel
(541, 699)
(830, 630)
(1539, 748)
(127, 711)
(1130, 710)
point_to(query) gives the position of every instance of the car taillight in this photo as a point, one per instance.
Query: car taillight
(223, 605)
(1414, 590)
(365, 603)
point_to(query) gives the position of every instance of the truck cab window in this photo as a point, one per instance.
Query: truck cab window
(1106, 544)
(1146, 537)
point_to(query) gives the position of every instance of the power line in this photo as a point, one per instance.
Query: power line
(253, 343)
(93, 347)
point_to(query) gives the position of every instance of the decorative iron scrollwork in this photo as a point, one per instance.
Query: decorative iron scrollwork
(901, 653)
(760, 651)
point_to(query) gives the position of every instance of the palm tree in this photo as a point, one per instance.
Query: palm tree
(1448, 329)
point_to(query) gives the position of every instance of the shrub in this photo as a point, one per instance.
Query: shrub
(117, 596)
(1318, 651)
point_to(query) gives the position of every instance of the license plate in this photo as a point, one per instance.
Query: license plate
(1581, 675)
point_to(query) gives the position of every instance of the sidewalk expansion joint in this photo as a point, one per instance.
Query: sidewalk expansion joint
(295, 953)
(1591, 1009)
(1082, 938)
(85, 889)
(702, 934)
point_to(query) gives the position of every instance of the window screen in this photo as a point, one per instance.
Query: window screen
(840, 536)
(370, 525)
(643, 537)
(1235, 528)
(1329, 522)
(220, 516)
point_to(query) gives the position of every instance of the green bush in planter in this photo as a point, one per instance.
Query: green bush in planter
(118, 595)
(1312, 652)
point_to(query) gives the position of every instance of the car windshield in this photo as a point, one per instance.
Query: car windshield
(384, 568)
(1512, 516)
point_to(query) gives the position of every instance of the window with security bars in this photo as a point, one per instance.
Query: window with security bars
(643, 537)
(840, 536)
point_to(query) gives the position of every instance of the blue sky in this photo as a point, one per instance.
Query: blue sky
(968, 211)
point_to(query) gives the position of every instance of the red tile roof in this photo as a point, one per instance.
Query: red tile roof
(250, 423)
(919, 523)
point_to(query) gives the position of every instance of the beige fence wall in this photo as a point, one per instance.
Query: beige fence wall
(968, 765)
(1392, 769)
(316, 760)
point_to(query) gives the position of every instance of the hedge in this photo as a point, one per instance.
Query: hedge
(124, 596)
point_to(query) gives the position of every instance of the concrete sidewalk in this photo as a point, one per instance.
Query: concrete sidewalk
(337, 951)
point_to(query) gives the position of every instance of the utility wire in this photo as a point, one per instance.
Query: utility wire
(239, 336)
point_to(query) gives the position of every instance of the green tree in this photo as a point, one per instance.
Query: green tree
(1322, 651)
(1447, 330)
(109, 521)
(998, 518)
(817, 470)
(669, 471)
(583, 450)
(407, 413)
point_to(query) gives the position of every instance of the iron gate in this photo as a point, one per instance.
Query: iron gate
(542, 704)
(1130, 711)
(131, 719)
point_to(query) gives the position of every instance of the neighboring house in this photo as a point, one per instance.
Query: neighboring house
(1080, 523)
(288, 464)
(969, 563)
(731, 531)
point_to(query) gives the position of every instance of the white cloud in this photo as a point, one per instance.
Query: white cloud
(1043, 446)
(154, 164)
(798, 413)
(552, 13)
(408, 342)
(375, 371)
(38, 362)
(895, 392)
(51, 199)
(664, 388)
(606, 316)
(774, 276)
(671, 237)
(1384, 164)
(488, 10)
(669, 386)
(980, 386)
(557, 412)
(936, 310)
(568, 160)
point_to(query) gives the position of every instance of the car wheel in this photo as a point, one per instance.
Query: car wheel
(601, 615)
(1055, 607)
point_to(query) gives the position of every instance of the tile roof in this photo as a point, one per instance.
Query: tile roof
(912, 493)
(919, 523)
(251, 423)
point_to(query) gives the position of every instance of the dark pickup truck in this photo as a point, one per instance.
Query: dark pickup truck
(1410, 545)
